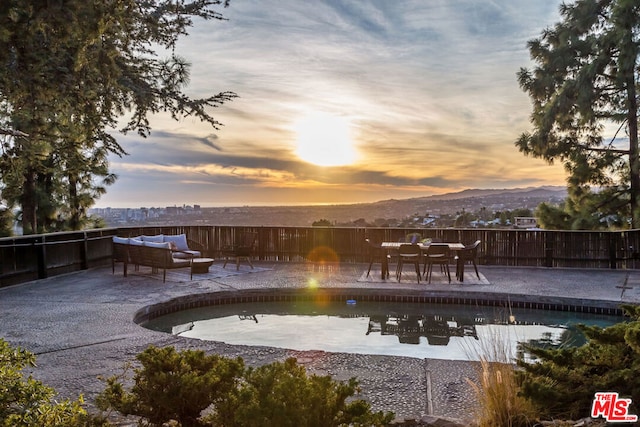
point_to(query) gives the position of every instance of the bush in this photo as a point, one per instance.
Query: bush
(27, 402)
(179, 386)
(281, 394)
(563, 383)
(173, 385)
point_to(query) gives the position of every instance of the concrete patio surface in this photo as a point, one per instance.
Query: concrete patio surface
(80, 325)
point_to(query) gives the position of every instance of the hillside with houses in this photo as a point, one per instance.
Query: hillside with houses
(468, 208)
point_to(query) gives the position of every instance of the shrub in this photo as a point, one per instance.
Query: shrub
(281, 394)
(563, 383)
(179, 386)
(173, 385)
(25, 402)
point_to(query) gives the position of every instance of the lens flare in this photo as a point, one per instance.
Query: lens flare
(323, 255)
(312, 283)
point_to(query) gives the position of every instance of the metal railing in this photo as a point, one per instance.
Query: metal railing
(33, 257)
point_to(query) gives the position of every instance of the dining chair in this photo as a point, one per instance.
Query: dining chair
(437, 255)
(408, 254)
(466, 255)
(241, 250)
(378, 254)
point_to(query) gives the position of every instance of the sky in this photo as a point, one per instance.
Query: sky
(345, 101)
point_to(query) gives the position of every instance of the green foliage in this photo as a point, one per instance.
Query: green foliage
(69, 71)
(563, 383)
(25, 402)
(321, 223)
(173, 385)
(584, 210)
(281, 394)
(179, 386)
(584, 83)
(463, 218)
(6, 222)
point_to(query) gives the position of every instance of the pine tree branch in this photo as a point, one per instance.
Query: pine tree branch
(603, 150)
(12, 132)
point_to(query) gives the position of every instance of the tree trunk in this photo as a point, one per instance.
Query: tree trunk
(29, 203)
(634, 159)
(74, 204)
(628, 63)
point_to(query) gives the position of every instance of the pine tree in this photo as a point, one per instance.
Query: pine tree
(69, 70)
(564, 381)
(585, 82)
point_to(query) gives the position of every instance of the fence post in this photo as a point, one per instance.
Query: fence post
(41, 253)
(84, 253)
(612, 251)
(548, 250)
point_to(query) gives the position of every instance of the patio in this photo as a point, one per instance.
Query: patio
(80, 324)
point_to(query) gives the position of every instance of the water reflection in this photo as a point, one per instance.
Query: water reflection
(435, 328)
(414, 330)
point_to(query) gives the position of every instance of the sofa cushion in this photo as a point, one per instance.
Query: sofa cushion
(158, 238)
(187, 254)
(136, 242)
(178, 263)
(179, 239)
(157, 245)
(122, 240)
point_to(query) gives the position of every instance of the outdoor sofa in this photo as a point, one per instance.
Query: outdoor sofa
(158, 252)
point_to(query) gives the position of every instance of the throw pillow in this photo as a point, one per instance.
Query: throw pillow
(179, 239)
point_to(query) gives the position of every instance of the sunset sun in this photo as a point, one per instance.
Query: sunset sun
(325, 140)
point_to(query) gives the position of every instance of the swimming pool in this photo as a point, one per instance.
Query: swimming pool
(421, 330)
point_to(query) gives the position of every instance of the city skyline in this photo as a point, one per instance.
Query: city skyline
(345, 102)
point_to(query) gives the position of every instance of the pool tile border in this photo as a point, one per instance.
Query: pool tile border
(577, 305)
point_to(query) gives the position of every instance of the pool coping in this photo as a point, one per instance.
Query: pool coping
(200, 300)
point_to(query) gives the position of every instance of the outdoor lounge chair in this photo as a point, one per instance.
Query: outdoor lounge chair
(151, 254)
(120, 253)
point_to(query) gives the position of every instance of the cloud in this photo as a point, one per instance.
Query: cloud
(429, 88)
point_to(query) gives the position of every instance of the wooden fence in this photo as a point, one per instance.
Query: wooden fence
(34, 257)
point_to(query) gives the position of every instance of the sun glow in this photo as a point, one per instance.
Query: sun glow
(325, 140)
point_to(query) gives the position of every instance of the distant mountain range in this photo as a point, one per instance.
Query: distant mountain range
(470, 200)
(548, 191)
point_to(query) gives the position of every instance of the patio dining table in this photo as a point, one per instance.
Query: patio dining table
(388, 246)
